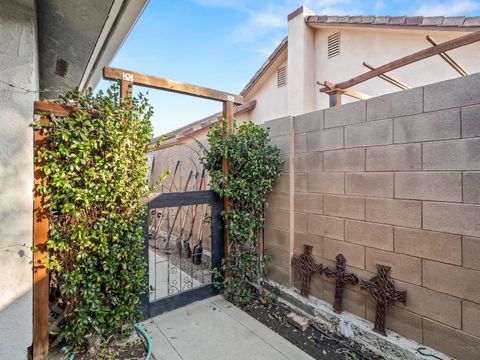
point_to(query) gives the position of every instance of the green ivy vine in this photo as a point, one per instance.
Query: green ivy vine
(96, 170)
(255, 165)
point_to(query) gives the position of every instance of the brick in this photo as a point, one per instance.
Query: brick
(399, 320)
(431, 304)
(308, 162)
(277, 219)
(370, 134)
(308, 122)
(352, 252)
(403, 267)
(300, 222)
(278, 257)
(279, 126)
(300, 144)
(286, 162)
(353, 301)
(429, 245)
(347, 114)
(302, 239)
(453, 218)
(300, 182)
(451, 279)
(326, 182)
(282, 142)
(282, 185)
(471, 121)
(452, 155)
(438, 186)
(325, 226)
(369, 234)
(325, 139)
(450, 341)
(277, 238)
(395, 212)
(310, 203)
(457, 92)
(471, 187)
(278, 274)
(471, 318)
(471, 252)
(394, 158)
(438, 125)
(344, 160)
(378, 184)
(298, 321)
(344, 206)
(278, 201)
(408, 102)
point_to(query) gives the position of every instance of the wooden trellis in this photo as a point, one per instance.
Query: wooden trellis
(41, 224)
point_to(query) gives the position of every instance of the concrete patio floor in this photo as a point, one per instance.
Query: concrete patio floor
(216, 329)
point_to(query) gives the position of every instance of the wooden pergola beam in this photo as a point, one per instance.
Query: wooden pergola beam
(155, 82)
(41, 107)
(420, 55)
(448, 59)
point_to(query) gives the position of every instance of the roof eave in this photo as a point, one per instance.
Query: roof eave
(122, 18)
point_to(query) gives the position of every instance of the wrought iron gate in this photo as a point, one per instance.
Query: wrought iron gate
(184, 243)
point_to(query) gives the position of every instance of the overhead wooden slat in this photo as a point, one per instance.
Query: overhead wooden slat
(420, 55)
(155, 82)
(41, 107)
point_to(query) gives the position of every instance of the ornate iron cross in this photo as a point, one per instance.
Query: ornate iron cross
(306, 265)
(385, 293)
(341, 279)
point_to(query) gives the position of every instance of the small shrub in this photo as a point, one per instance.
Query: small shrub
(96, 171)
(255, 165)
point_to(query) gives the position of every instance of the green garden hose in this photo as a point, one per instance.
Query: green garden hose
(145, 336)
(147, 339)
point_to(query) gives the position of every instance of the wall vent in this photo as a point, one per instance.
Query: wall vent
(334, 45)
(282, 76)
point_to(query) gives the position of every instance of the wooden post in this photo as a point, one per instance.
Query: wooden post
(335, 98)
(125, 89)
(40, 237)
(228, 121)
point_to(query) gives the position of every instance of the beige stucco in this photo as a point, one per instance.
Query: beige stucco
(378, 47)
(18, 66)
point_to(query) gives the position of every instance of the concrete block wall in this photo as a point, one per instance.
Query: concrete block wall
(392, 180)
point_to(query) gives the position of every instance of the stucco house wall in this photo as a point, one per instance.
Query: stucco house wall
(18, 66)
(378, 47)
(272, 101)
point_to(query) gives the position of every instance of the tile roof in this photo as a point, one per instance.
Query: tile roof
(442, 22)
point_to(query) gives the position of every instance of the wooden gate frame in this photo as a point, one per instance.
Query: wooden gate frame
(40, 219)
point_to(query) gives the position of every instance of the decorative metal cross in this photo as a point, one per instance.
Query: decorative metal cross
(342, 278)
(306, 265)
(385, 293)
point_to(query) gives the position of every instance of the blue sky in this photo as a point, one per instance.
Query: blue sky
(222, 43)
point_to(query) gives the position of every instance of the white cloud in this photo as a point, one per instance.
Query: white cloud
(379, 5)
(268, 19)
(448, 8)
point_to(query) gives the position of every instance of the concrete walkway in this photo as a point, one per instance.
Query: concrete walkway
(216, 329)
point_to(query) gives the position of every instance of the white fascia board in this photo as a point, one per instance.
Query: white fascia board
(120, 21)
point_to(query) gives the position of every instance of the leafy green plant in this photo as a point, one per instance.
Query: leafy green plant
(96, 170)
(254, 167)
